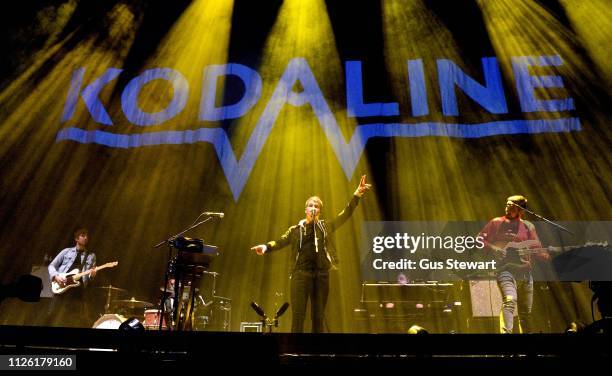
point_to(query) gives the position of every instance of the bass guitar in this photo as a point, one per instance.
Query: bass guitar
(515, 256)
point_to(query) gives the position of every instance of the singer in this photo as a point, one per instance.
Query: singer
(314, 256)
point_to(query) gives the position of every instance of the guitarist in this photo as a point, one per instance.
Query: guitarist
(513, 281)
(73, 302)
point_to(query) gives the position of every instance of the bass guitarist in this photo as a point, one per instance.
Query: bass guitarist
(514, 276)
(71, 308)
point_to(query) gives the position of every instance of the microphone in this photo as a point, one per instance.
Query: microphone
(281, 310)
(258, 309)
(214, 214)
(313, 211)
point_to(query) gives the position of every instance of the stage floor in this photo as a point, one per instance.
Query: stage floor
(154, 349)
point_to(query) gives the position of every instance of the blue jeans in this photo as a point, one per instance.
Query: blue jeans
(305, 285)
(511, 289)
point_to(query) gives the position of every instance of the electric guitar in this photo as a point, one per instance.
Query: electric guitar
(73, 276)
(515, 259)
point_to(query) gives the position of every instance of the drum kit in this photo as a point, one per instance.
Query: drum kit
(118, 310)
(214, 314)
(182, 306)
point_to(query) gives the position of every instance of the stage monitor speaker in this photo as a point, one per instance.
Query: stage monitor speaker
(486, 298)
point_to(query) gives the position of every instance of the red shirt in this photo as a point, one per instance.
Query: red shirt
(502, 230)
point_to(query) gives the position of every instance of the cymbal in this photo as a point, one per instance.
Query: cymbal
(111, 288)
(132, 303)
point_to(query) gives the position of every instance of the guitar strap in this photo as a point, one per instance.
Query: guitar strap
(83, 258)
(79, 261)
(523, 232)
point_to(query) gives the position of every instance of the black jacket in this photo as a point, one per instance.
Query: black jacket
(294, 235)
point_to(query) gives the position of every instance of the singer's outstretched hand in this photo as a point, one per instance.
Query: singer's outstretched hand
(363, 187)
(260, 249)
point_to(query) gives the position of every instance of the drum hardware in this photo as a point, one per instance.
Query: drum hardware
(221, 314)
(109, 291)
(214, 315)
(132, 303)
(201, 317)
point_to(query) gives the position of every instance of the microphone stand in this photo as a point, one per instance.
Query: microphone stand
(170, 242)
(544, 219)
(173, 237)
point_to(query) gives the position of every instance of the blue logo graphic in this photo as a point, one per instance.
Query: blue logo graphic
(490, 96)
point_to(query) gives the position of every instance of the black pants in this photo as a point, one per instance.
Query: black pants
(313, 285)
(71, 309)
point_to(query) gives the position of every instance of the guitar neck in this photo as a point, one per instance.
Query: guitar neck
(79, 275)
(529, 251)
(555, 250)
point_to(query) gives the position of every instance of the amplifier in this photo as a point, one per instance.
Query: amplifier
(486, 298)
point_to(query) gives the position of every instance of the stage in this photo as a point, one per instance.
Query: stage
(207, 350)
